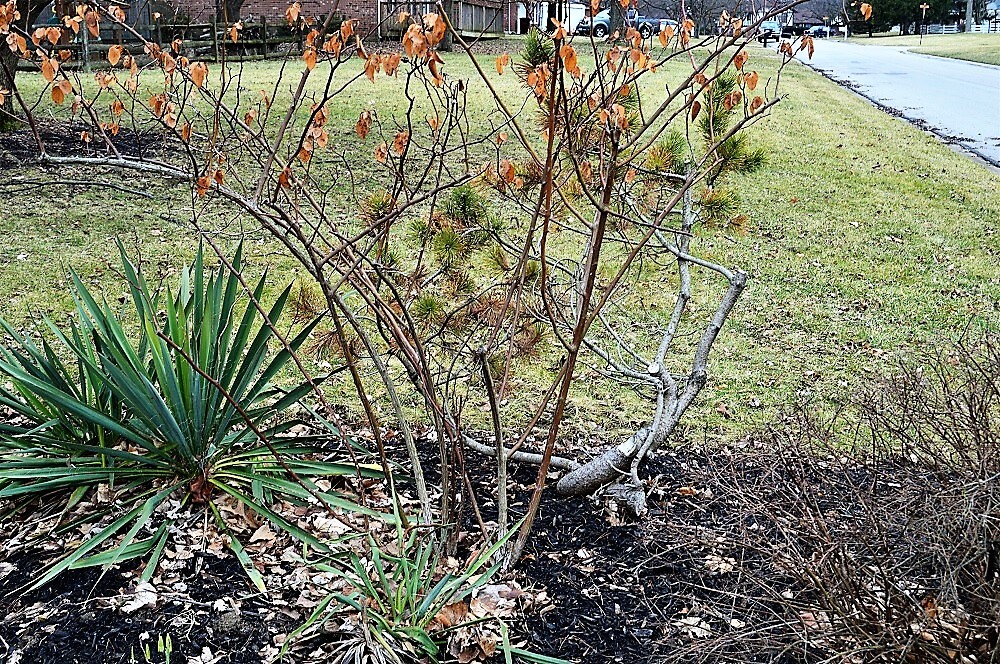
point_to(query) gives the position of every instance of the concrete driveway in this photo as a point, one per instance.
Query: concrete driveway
(958, 100)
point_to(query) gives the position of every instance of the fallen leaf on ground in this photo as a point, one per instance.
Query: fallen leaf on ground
(145, 595)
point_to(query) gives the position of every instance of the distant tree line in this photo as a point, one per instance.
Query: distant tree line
(907, 14)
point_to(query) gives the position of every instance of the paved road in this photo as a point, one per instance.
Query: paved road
(956, 99)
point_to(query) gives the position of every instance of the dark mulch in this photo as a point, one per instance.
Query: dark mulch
(699, 580)
(621, 590)
(20, 147)
(66, 621)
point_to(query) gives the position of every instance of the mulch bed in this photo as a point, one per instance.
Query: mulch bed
(65, 622)
(700, 579)
(20, 147)
(611, 591)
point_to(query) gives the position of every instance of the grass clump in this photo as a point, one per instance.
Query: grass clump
(974, 47)
(405, 603)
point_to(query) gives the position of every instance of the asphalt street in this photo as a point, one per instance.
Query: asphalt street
(958, 100)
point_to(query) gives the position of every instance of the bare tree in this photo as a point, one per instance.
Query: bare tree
(704, 13)
(625, 175)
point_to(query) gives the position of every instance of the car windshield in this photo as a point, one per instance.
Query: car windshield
(770, 25)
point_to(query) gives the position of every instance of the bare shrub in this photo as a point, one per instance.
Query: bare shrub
(868, 535)
(944, 407)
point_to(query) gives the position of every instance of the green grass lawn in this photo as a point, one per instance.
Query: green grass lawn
(975, 47)
(866, 238)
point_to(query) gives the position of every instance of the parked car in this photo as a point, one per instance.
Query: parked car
(666, 22)
(600, 24)
(821, 31)
(769, 30)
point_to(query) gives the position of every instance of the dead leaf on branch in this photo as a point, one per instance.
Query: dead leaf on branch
(115, 54)
(502, 62)
(740, 59)
(199, 71)
(309, 55)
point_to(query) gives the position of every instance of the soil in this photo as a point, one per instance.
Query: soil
(714, 573)
(20, 147)
(614, 590)
(621, 590)
(66, 622)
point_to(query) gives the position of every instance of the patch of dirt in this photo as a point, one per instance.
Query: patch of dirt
(736, 562)
(72, 621)
(20, 147)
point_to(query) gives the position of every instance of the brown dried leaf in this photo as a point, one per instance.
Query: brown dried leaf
(199, 71)
(115, 54)
(309, 55)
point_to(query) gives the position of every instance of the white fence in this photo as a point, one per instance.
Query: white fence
(938, 29)
(986, 27)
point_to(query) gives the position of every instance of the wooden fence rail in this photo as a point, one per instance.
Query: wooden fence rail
(472, 18)
(205, 40)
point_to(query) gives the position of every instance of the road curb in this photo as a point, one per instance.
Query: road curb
(893, 112)
(941, 57)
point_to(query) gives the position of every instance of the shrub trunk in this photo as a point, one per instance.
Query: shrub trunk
(8, 67)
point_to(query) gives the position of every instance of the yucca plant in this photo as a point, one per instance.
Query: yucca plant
(396, 599)
(183, 407)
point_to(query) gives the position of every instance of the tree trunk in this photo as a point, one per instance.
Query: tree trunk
(8, 67)
(229, 11)
(968, 15)
(447, 42)
(617, 18)
(614, 463)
